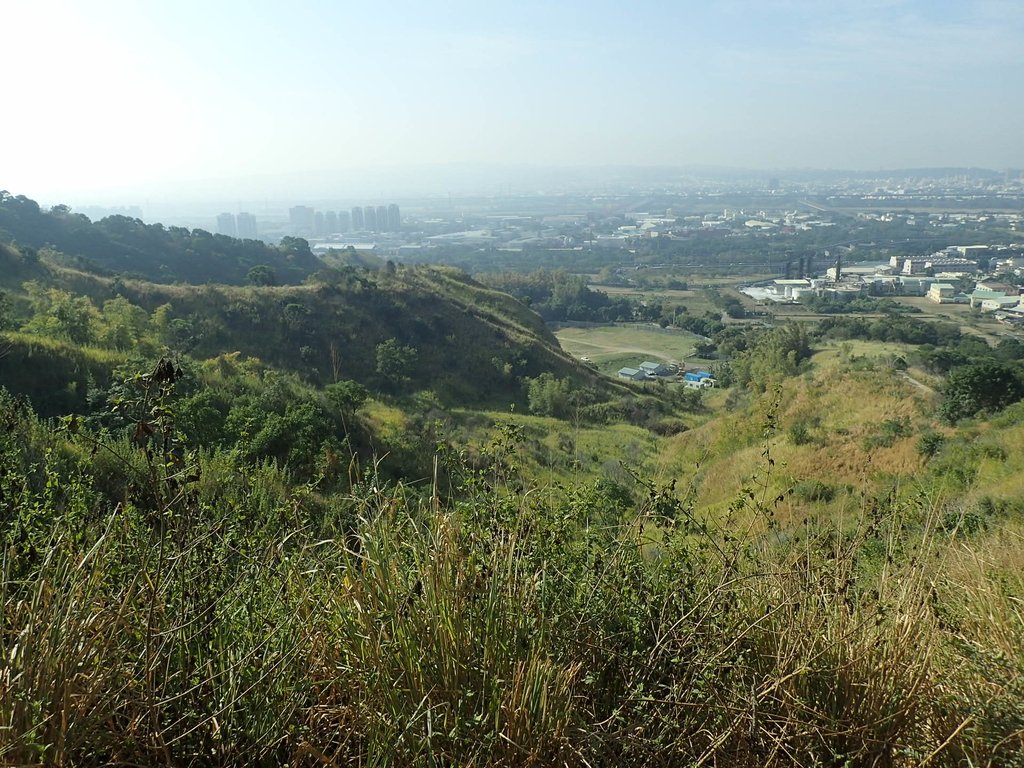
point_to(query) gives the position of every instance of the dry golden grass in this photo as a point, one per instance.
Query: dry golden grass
(843, 412)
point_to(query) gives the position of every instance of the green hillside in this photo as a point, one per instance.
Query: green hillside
(381, 518)
(465, 343)
(439, 330)
(121, 245)
(808, 582)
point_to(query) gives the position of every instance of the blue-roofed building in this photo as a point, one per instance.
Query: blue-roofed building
(699, 379)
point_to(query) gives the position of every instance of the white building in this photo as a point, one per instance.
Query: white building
(941, 293)
(791, 289)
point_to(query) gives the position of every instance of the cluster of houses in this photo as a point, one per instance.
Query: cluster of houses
(649, 370)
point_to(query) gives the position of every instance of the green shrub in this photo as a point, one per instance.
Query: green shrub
(930, 443)
(815, 490)
(888, 432)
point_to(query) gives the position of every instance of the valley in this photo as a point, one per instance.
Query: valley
(383, 508)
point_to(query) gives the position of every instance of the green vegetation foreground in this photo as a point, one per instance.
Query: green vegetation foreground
(169, 606)
(204, 564)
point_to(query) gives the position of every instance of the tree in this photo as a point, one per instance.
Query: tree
(125, 325)
(987, 386)
(549, 396)
(262, 274)
(59, 314)
(704, 349)
(295, 246)
(393, 363)
(6, 312)
(295, 315)
(347, 396)
(772, 355)
(930, 443)
(201, 417)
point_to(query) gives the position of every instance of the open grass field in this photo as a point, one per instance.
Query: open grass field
(957, 313)
(695, 300)
(858, 348)
(983, 325)
(643, 293)
(612, 347)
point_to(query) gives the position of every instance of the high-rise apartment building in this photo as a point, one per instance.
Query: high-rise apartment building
(301, 218)
(331, 223)
(382, 218)
(394, 218)
(246, 226)
(318, 224)
(358, 223)
(344, 221)
(226, 225)
(370, 218)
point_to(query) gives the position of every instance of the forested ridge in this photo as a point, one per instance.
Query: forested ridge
(126, 246)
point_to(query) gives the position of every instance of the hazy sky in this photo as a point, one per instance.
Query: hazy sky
(128, 94)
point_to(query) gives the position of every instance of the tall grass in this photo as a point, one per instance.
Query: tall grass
(225, 620)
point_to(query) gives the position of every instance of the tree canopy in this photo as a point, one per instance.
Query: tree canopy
(985, 386)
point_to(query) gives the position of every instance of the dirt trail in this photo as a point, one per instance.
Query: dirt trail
(920, 385)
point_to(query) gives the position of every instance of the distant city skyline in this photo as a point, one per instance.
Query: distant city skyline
(116, 101)
(306, 221)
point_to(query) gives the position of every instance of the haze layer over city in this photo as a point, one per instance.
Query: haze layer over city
(191, 107)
